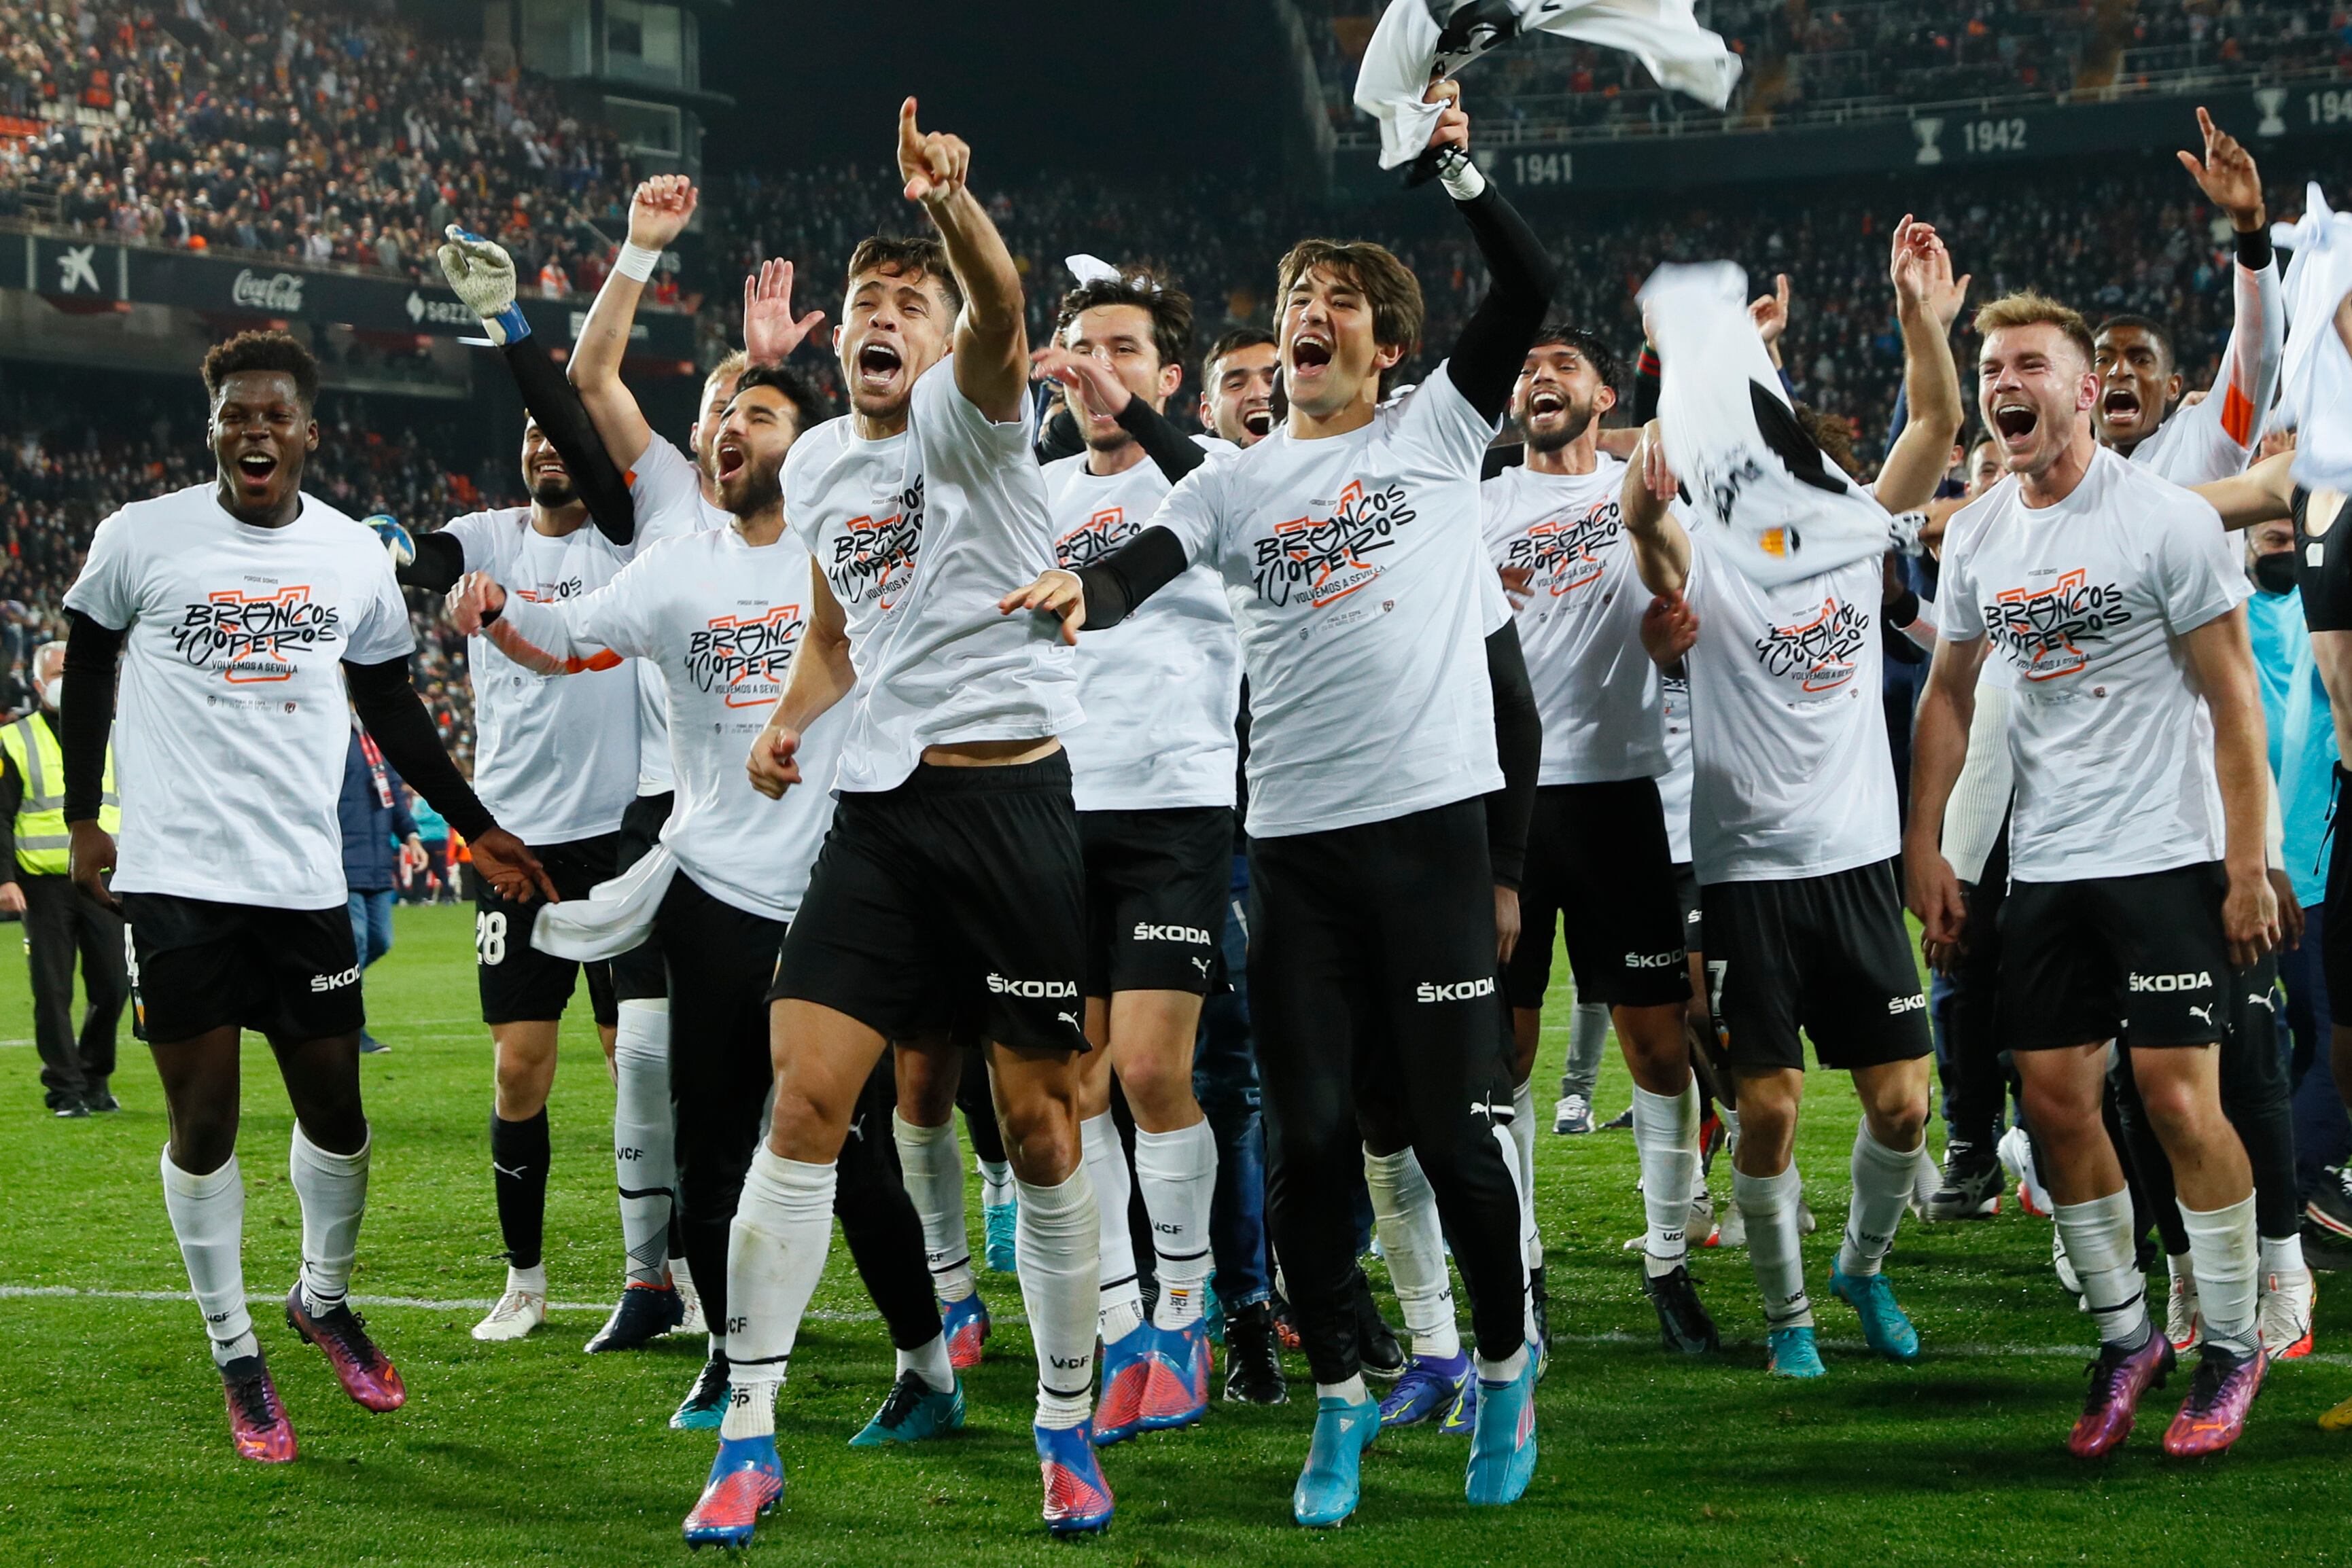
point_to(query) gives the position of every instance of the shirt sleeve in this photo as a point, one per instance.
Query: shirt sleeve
(380, 626)
(618, 618)
(953, 428)
(1190, 510)
(475, 533)
(2198, 576)
(1960, 612)
(665, 486)
(107, 590)
(1440, 418)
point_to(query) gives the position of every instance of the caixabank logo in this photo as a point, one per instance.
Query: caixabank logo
(250, 638)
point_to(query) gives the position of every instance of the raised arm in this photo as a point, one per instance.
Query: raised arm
(822, 674)
(1926, 299)
(2262, 494)
(1493, 346)
(658, 214)
(992, 334)
(1939, 746)
(2257, 346)
(592, 632)
(1661, 548)
(2222, 660)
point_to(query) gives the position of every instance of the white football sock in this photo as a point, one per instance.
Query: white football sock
(1504, 1370)
(1769, 1205)
(1666, 1140)
(1523, 1134)
(2225, 1251)
(1120, 1301)
(995, 1182)
(2282, 1255)
(1588, 1041)
(934, 1172)
(775, 1255)
(1404, 1216)
(1352, 1391)
(1177, 1172)
(1882, 1179)
(928, 1361)
(332, 1191)
(532, 1280)
(1056, 1242)
(645, 1161)
(2099, 1236)
(208, 1214)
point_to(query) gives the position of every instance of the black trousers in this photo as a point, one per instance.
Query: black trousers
(63, 924)
(1974, 1082)
(1372, 963)
(722, 959)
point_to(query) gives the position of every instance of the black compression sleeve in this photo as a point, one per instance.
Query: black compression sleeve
(1647, 382)
(392, 712)
(2254, 249)
(1131, 574)
(1519, 746)
(1175, 453)
(1493, 346)
(88, 716)
(440, 562)
(554, 404)
(1060, 438)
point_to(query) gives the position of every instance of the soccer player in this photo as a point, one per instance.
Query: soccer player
(1600, 860)
(1793, 836)
(1238, 375)
(559, 758)
(950, 890)
(722, 613)
(2137, 895)
(1348, 543)
(251, 621)
(1152, 774)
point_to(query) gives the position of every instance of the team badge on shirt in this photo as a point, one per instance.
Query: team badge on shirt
(1819, 653)
(2045, 629)
(251, 637)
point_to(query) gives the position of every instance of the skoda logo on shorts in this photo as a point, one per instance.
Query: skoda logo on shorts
(1048, 990)
(1146, 931)
(2199, 981)
(1895, 1005)
(1652, 960)
(1459, 991)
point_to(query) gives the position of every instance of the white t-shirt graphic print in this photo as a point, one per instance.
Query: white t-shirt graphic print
(919, 534)
(1353, 568)
(1790, 772)
(1581, 629)
(232, 725)
(2086, 601)
(1160, 688)
(555, 756)
(722, 619)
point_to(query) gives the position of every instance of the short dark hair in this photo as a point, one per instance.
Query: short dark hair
(1834, 433)
(267, 351)
(1170, 308)
(1233, 340)
(1387, 285)
(809, 407)
(921, 257)
(1597, 353)
(2147, 324)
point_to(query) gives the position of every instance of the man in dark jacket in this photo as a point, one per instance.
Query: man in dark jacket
(374, 813)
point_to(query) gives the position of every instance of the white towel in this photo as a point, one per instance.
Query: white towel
(614, 918)
(2316, 387)
(1784, 510)
(1412, 45)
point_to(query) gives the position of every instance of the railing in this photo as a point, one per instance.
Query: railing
(1524, 122)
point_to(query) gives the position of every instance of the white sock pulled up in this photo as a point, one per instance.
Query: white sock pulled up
(645, 1157)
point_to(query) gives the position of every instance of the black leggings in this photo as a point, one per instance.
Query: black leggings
(722, 959)
(2254, 1097)
(1974, 1082)
(1373, 961)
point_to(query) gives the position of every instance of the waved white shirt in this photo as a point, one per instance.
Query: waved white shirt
(2087, 601)
(1161, 687)
(723, 621)
(1362, 597)
(919, 534)
(1597, 690)
(232, 727)
(555, 756)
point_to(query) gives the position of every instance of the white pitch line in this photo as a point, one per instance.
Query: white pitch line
(1934, 1350)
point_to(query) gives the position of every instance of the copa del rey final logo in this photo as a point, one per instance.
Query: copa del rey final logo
(280, 291)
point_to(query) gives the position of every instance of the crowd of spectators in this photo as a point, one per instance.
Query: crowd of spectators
(1807, 54)
(323, 134)
(84, 445)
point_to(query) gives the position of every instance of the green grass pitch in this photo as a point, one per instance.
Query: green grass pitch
(113, 1447)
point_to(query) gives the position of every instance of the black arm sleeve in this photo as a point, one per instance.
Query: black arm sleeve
(554, 404)
(440, 562)
(12, 795)
(1175, 453)
(1060, 438)
(1131, 574)
(1493, 346)
(1647, 382)
(392, 713)
(1519, 746)
(88, 716)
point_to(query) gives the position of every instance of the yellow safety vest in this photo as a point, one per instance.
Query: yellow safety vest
(41, 837)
